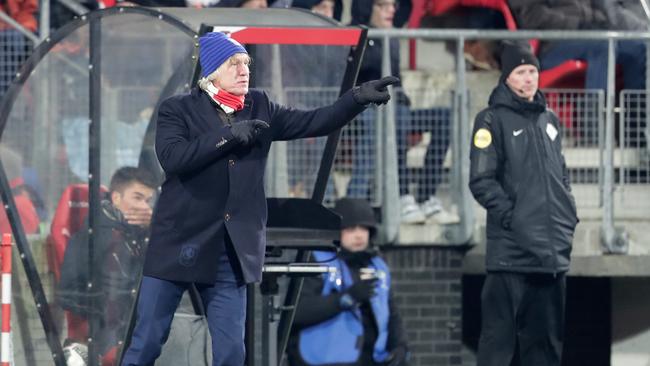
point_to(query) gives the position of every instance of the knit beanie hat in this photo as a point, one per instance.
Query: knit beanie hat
(214, 49)
(356, 212)
(514, 55)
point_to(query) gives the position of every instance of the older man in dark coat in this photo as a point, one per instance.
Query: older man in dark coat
(208, 226)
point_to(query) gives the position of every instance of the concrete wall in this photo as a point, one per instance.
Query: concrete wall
(427, 285)
(630, 322)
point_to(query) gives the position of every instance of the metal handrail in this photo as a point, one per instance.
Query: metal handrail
(613, 241)
(447, 34)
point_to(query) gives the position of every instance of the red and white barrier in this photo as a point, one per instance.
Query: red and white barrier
(5, 336)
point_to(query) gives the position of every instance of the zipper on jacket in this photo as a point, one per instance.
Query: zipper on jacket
(543, 159)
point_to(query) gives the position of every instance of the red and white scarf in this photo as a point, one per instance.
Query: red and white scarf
(230, 103)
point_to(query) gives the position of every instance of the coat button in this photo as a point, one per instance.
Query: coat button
(231, 162)
(227, 217)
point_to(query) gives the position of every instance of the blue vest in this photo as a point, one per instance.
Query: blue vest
(336, 340)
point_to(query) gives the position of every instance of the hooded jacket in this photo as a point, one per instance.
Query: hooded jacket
(518, 174)
(363, 333)
(118, 257)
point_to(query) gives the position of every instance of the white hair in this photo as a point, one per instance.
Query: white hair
(205, 81)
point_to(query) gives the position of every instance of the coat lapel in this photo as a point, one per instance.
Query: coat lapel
(245, 113)
(206, 110)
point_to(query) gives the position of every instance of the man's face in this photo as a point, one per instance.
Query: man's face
(383, 12)
(325, 8)
(255, 4)
(523, 81)
(355, 239)
(234, 75)
(135, 203)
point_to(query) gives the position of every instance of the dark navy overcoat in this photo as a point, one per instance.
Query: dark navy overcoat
(214, 186)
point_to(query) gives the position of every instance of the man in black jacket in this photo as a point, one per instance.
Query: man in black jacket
(349, 318)
(209, 224)
(519, 175)
(120, 240)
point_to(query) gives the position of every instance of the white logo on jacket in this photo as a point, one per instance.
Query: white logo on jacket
(551, 131)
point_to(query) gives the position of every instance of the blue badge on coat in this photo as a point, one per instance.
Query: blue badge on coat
(188, 255)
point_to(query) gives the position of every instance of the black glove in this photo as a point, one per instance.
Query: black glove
(245, 132)
(397, 357)
(363, 290)
(374, 91)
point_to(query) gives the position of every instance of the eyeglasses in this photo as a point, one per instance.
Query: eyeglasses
(387, 4)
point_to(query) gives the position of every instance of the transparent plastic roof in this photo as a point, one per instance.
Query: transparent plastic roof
(249, 17)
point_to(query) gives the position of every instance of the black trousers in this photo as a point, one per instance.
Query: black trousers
(522, 320)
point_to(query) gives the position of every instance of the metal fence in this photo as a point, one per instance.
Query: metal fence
(15, 47)
(429, 158)
(426, 146)
(582, 125)
(632, 156)
(604, 144)
(423, 137)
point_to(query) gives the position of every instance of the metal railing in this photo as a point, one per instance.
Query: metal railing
(381, 156)
(598, 108)
(374, 150)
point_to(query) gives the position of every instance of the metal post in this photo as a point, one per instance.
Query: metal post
(389, 181)
(611, 242)
(44, 20)
(277, 176)
(269, 327)
(601, 146)
(6, 353)
(94, 178)
(460, 143)
(349, 79)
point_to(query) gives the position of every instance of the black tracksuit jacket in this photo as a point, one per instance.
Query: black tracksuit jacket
(519, 175)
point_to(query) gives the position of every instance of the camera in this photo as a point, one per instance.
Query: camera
(368, 274)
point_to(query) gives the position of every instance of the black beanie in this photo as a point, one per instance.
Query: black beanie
(513, 55)
(356, 212)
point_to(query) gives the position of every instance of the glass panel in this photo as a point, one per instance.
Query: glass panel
(303, 77)
(44, 149)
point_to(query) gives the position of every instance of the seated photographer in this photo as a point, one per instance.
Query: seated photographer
(121, 236)
(349, 317)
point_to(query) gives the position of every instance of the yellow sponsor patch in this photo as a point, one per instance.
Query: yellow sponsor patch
(482, 138)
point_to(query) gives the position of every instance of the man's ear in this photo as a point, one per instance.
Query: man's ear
(116, 197)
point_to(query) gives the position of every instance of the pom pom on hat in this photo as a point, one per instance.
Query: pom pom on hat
(214, 49)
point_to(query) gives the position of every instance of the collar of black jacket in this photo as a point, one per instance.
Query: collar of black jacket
(502, 95)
